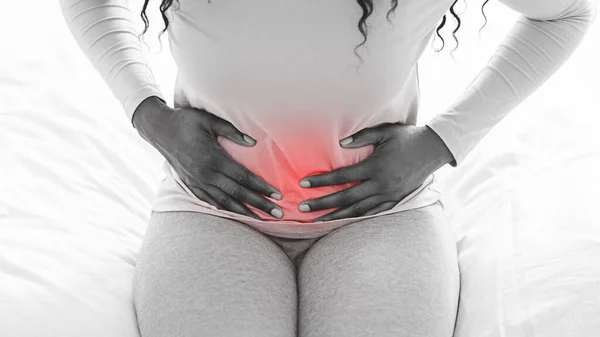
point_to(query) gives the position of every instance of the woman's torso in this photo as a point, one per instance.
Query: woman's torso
(285, 73)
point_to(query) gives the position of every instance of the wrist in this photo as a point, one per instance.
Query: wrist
(145, 116)
(438, 148)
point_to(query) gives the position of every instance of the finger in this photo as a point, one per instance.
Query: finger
(228, 203)
(341, 198)
(226, 129)
(247, 178)
(340, 176)
(200, 194)
(381, 208)
(197, 191)
(364, 137)
(243, 194)
(354, 210)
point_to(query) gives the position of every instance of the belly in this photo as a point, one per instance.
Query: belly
(284, 161)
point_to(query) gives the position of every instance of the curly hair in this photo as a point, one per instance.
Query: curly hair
(367, 8)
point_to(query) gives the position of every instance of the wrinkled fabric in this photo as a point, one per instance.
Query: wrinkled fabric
(298, 88)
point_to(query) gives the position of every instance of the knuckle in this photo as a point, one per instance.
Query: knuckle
(241, 177)
(221, 184)
(238, 192)
(346, 196)
(339, 177)
(223, 200)
(359, 208)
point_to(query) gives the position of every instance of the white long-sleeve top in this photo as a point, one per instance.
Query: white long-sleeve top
(285, 73)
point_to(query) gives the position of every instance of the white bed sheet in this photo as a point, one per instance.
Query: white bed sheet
(77, 183)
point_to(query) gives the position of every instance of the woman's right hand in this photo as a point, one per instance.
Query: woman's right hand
(187, 138)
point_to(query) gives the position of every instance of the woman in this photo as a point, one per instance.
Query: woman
(300, 196)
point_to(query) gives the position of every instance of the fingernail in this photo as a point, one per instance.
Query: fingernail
(304, 208)
(249, 140)
(277, 213)
(276, 196)
(304, 183)
(346, 141)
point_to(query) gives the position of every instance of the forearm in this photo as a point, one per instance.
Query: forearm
(530, 54)
(106, 34)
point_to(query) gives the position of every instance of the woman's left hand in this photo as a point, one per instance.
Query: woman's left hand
(404, 156)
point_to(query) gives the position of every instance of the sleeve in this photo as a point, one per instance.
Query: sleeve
(539, 43)
(106, 33)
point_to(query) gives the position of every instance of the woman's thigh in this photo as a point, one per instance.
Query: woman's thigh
(393, 275)
(201, 275)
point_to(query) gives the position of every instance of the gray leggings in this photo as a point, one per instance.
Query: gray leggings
(392, 275)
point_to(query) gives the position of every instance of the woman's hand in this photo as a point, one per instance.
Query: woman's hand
(404, 156)
(187, 138)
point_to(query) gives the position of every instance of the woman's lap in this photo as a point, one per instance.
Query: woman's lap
(201, 275)
(393, 275)
(389, 275)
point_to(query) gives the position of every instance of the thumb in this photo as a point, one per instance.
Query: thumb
(226, 129)
(364, 137)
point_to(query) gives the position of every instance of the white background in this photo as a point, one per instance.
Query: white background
(77, 183)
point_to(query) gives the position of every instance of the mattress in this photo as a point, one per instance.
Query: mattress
(77, 184)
